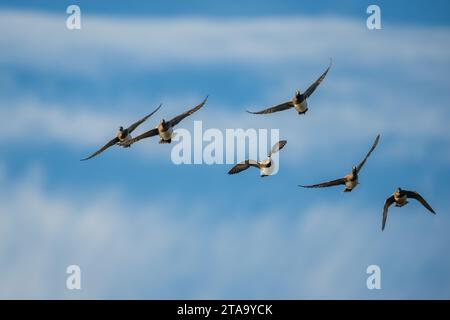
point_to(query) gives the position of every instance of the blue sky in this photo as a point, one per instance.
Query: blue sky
(141, 227)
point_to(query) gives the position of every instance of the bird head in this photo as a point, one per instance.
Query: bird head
(120, 128)
(298, 93)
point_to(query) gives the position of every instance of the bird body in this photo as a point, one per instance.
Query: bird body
(122, 134)
(124, 141)
(165, 132)
(400, 199)
(351, 181)
(124, 137)
(266, 167)
(300, 104)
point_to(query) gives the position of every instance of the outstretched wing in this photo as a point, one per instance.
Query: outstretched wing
(147, 134)
(387, 204)
(418, 197)
(280, 107)
(106, 146)
(314, 86)
(361, 164)
(244, 165)
(277, 147)
(138, 123)
(180, 117)
(326, 184)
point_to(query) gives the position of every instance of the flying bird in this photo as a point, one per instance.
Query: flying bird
(123, 137)
(400, 198)
(350, 180)
(265, 167)
(165, 128)
(299, 101)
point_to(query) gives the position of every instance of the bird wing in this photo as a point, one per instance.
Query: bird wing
(180, 117)
(138, 123)
(418, 197)
(106, 146)
(387, 204)
(280, 107)
(361, 164)
(314, 86)
(244, 165)
(147, 134)
(277, 147)
(326, 184)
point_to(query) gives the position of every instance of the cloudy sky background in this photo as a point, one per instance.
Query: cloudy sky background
(141, 227)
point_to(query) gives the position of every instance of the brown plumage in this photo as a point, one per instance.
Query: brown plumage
(400, 198)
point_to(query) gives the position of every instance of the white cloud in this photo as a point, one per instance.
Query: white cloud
(335, 118)
(147, 250)
(31, 120)
(414, 135)
(153, 42)
(142, 249)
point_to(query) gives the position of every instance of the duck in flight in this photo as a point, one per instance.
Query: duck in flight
(165, 128)
(265, 167)
(400, 198)
(299, 101)
(123, 137)
(350, 181)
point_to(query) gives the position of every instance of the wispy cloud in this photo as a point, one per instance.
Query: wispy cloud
(41, 123)
(149, 250)
(130, 246)
(166, 42)
(82, 128)
(155, 42)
